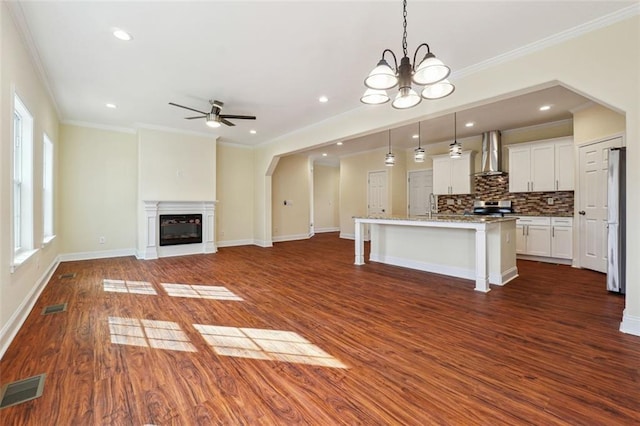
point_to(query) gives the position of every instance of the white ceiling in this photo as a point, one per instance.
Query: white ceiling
(274, 59)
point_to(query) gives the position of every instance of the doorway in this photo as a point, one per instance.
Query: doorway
(377, 193)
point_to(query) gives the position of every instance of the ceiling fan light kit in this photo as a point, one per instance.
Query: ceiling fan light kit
(430, 72)
(213, 118)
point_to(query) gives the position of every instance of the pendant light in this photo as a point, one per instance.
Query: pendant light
(389, 159)
(455, 149)
(431, 73)
(418, 153)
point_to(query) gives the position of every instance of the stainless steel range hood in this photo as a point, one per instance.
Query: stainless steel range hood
(491, 154)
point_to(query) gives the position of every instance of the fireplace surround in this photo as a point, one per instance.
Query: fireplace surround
(179, 215)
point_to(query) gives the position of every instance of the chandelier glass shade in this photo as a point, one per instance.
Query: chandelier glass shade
(431, 73)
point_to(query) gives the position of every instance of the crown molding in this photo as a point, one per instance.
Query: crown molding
(166, 129)
(99, 126)
(552, 40)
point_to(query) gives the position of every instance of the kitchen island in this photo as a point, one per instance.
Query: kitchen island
(480, 248)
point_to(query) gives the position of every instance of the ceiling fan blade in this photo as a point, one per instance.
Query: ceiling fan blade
(191, 109)
(238, 117)
(199, 116)
(227, 122)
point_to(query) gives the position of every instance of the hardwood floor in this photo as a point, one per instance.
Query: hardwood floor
(371, 344)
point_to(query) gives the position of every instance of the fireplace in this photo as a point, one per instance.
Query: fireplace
(178, 229)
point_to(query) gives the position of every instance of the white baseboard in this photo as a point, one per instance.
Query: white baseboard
(235, 243)
(453, 271)
(545, 259)
(263, 243)
(294, 237)
(11, 328)
(321, 230)
(505, 277)
(347, 236)
(88, 255)
(630, 324)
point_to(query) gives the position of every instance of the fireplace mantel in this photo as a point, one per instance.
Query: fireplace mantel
(152, 211)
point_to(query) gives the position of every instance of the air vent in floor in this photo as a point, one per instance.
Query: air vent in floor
(69, 275)
(54, 309)
(22, 391)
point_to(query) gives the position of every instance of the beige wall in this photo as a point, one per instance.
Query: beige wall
(326, 199)
(291, 182)
(18, 73)
(98, 196)
(234, 183)
(176, 166)
(569, 62)
(596, 122)
(354, 170)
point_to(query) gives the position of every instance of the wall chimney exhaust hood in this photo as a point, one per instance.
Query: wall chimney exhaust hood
(491, 154)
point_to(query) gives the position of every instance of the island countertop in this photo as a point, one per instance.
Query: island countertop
(442, 218)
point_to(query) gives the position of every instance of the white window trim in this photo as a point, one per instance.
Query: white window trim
(20, 256)
(48, 184)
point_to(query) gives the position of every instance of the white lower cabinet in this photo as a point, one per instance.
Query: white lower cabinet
(562, 237)
(533, 236)
(550, 237)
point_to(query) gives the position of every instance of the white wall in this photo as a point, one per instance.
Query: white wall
(19, 289)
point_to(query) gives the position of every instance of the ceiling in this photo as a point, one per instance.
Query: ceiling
(275, 59)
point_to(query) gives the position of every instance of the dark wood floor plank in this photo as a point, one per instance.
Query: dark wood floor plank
(418, 348)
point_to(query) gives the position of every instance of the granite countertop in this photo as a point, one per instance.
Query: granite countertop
(444, 218)
(540, 214)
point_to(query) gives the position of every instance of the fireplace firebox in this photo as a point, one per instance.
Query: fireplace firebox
(180, 229)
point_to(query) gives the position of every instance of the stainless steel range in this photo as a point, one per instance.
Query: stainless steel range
(492, 208)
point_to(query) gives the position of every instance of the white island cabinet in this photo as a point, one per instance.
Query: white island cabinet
(471, 247)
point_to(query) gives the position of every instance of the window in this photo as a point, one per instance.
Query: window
(22, 196)
(47, 189)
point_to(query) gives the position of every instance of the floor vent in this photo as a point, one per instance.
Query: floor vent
(54, 309)
(22, 391)
(70, 275)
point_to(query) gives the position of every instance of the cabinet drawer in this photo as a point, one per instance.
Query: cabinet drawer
(534, 220)
(562, 221)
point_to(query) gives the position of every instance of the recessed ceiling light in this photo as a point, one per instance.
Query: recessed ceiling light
(324, 154)
(253, 132)
(545, 107)
(415, 136)
(112, 106)
(122, 35)
(339, 143)
(323, 99)
(469, 124)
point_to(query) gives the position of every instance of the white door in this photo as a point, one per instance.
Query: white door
(377, 193)
(592, 205)
(420, 186)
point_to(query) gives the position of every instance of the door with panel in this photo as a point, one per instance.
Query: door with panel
(592, 205)
(377, 193)
(420, 186)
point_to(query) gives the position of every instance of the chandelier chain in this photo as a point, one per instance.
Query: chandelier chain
(404, 35)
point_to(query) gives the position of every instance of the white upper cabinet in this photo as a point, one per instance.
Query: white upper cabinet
(541, 166)
(564, 165)
(453, 175)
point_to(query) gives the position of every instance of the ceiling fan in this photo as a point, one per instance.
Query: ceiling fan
(214, 118)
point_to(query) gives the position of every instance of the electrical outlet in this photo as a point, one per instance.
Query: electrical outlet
(102, 240)
(459, 202)
(450, 202)
(550, 201)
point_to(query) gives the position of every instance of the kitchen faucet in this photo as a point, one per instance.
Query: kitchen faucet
(433, 206)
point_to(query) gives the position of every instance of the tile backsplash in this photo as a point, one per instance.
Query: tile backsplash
(494, 188)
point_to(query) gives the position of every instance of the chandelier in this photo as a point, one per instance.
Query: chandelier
(455, 148)
(389, 159)
(430, 73)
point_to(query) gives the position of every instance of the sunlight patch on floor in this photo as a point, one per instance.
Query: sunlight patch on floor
(199, 291)
(165, 335)
(274, 345)
(123, 286)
